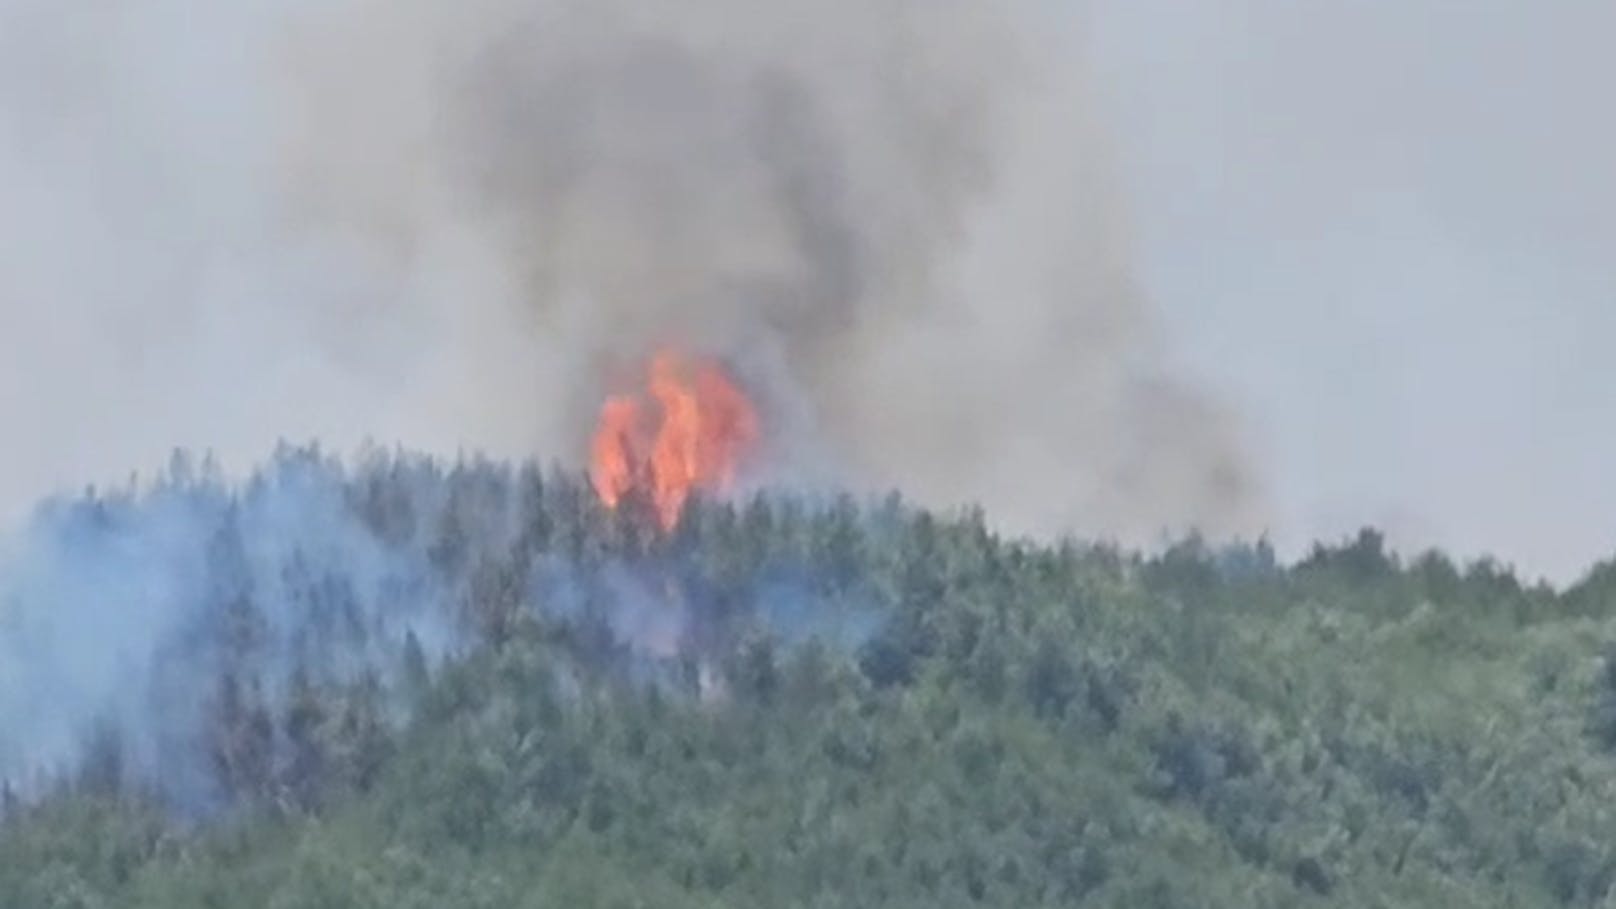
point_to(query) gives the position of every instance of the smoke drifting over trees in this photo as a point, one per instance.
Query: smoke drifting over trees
(448, 226)
(469, 681)
(414, 684)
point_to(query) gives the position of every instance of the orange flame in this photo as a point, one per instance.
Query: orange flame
(691, 428)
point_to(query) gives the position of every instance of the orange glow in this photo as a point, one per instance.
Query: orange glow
(690, 428)
(611, 465)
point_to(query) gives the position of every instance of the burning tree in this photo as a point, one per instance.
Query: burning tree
(690, 428)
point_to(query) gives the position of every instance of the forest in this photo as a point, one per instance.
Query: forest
(402, 682)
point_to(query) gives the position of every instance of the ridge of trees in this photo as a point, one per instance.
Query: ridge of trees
(867, 705)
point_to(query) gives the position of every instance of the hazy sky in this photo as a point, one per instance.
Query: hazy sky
(1388, 229)
(1380, 231)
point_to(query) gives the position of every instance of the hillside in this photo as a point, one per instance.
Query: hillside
(413, 684)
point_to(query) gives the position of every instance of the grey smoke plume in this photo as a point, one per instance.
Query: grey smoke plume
(448, 224)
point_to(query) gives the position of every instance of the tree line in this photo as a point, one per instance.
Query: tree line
(828, 702)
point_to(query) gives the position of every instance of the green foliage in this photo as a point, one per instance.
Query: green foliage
(1026, 726)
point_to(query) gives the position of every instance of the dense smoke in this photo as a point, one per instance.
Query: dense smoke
(448, 224)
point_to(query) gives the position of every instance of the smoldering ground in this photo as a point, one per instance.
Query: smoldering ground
(442, 225)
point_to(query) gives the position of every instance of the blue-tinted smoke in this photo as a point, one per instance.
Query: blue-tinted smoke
(118, 611)
(122, 614)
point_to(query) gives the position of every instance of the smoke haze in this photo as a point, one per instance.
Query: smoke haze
(1385, 228)
(457, 226)
(447, 226)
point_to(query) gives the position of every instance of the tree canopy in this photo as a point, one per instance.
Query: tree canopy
(791, 702)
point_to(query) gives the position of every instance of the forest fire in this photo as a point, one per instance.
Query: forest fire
(690, 427)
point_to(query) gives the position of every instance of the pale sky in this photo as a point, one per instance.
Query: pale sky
(1387, 230)
(1383, 231)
